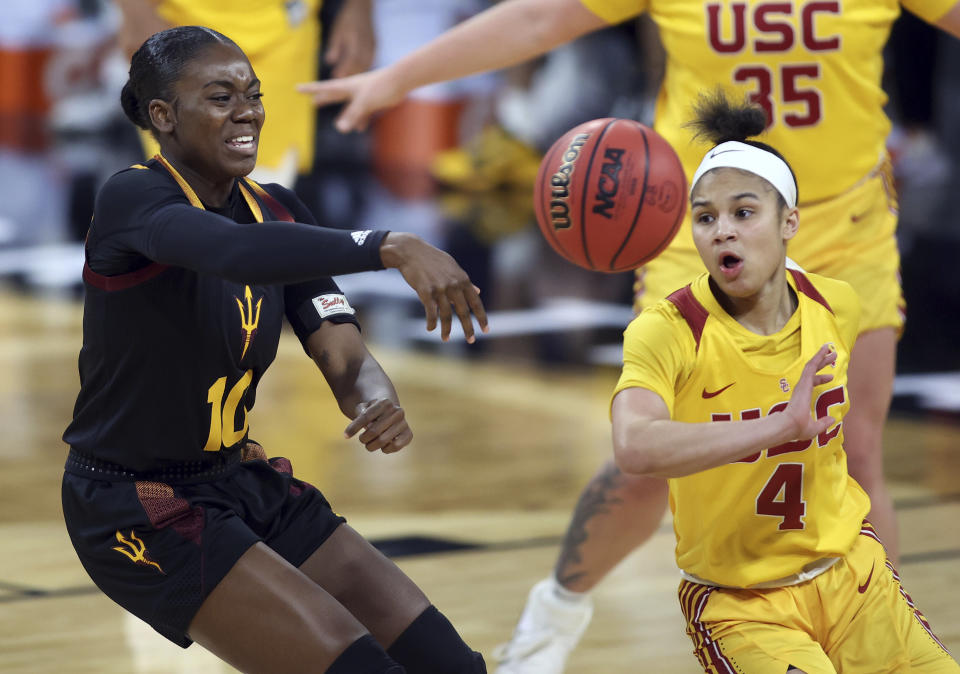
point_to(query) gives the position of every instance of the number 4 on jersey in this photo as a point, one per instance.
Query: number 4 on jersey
(782, 496)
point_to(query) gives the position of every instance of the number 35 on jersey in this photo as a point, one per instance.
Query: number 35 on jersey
(788, 92)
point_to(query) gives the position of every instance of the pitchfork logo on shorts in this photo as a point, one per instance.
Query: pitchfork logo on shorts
(135, 550)
(248, 320)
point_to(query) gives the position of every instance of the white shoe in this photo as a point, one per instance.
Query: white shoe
(548, 630)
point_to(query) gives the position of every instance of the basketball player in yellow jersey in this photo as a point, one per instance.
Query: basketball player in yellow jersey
(815, 66)
(720, 393)
(281, 38)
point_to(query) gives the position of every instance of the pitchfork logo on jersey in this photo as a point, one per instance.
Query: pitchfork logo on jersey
(248, 319)
(134, 549)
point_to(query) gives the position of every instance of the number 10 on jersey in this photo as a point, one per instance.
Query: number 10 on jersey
(223, 413)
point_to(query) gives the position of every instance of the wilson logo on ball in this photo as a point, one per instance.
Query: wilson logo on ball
(622, 205)
(559, 208)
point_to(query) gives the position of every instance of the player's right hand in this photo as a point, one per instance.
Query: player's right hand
(803, 425)
(384, 425)
(439, 282)
(364, 94)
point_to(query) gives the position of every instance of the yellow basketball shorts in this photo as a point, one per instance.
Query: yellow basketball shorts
(853, 618)
(850, 237)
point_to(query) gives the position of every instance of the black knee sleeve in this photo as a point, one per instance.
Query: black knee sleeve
(364, 656)
(431, 645)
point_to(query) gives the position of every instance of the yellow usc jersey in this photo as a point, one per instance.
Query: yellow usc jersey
(255, 25)
(814, 65)
(778, 512)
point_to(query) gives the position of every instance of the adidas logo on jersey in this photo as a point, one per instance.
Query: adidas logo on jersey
(360, 236)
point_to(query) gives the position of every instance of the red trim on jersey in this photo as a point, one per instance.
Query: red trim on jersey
(122, 281)
(867, 530)
(692, 311)
(804, 286)
(279, 210)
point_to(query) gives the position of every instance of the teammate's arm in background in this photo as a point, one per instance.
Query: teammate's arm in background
(362, 389)
(511, 32)
(139, 20)
(352, 42)
(647, 442)
(950, 22)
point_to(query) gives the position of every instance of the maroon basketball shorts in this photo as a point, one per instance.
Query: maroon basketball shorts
(159, 546)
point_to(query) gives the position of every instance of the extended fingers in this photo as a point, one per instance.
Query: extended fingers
(442, 298)
(821, 379)
(379, 426)
(466, 302)
(462, 309)
(366, 413)
(476, 307)
(430, 307)
(354, 426)
(825, 355)
(324, 93)
(460, 297)
(388, 442)
(353, 118)
(824, 424)
(384, 427)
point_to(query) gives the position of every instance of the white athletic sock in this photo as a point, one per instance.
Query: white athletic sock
(562, 593)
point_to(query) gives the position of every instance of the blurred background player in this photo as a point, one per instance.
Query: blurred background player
(800, 64)
(282, 39)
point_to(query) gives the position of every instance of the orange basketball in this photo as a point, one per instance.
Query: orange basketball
(610, 195)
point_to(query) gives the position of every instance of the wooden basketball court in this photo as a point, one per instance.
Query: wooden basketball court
(473, 510)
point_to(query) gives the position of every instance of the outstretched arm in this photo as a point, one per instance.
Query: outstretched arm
(164, 228)
(646, 441)
(362, 389)
(511, 32)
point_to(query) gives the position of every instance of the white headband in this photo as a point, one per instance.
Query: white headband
(767, 165)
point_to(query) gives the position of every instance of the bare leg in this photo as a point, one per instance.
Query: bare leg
(367, 584)
(870, 381)
(389, 604)
(616, 513)
(267, 616)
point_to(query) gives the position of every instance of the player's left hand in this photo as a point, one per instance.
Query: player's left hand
(384, 426)
(352, 42)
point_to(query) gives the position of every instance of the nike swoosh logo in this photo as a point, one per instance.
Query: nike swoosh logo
(863, 588)
(714, 154)
(857, 217)
(711, 394)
